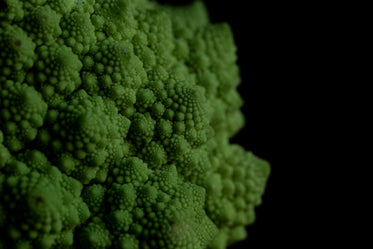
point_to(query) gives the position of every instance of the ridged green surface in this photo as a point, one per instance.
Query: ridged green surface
(115, 120)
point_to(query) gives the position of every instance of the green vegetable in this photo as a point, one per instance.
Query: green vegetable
(115, 120)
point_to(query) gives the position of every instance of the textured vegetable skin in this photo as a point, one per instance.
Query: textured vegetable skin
(115, 120)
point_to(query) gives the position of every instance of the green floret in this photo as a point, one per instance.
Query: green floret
(193, 164)
(78, 32)
(61, 6)
(114, 18)
(155, 33)
(41, 205)
(42, 25)
(130, 170)
(5, 155)
(115, 121)
(94, 235)
(11, 10)
(94, 196)
(154, 154)
(56, 72)
(126, 241)
(120, 221)
(17, 53)
(113, 63)
(22, 113)
(32, 4)
(122, 197)
(234, 188)
(142, 129)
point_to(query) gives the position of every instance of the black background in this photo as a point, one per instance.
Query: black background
(287, 63)
(287, 57)
(268, 67)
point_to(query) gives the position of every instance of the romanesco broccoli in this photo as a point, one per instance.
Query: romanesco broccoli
(115, 120)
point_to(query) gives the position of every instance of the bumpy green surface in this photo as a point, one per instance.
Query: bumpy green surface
(115, 119)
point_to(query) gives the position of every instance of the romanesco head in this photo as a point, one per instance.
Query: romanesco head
(115, 120)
